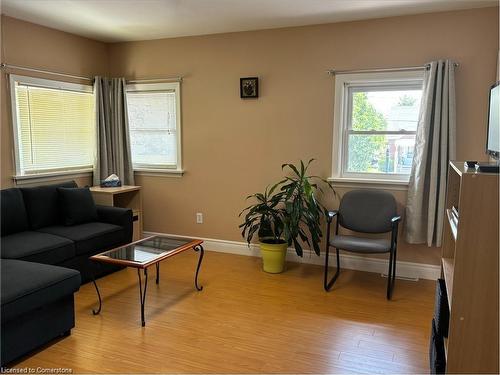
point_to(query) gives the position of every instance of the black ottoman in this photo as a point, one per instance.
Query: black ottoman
(37, 305)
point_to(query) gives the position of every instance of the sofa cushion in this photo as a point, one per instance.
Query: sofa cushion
(77, 205)
(42, 204)
(37, 247)
(90, 238)
(13, 213)
(27, 286)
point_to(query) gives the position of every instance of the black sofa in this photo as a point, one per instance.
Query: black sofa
(43, 262)
(37, 305)
(32, 229)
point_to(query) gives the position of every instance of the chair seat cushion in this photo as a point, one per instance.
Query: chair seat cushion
(361, 244)
(90, 238)
(37, 247)
(27, 286)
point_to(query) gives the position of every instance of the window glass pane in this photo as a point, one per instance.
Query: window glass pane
(154, 147)
(391, 110)
(380, 153)
(56, 129)
(153, 128)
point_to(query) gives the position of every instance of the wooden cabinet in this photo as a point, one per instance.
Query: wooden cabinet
(470, 270)
(123, 196)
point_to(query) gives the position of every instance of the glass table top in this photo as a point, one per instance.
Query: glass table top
(148, 250)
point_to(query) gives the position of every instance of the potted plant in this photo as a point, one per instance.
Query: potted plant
(265, 218)
(286, 214)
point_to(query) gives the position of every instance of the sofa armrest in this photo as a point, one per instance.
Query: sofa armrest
(122, 217)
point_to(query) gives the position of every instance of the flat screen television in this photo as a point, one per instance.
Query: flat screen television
(493, 142)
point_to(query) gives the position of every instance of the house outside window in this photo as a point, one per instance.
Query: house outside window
(155, 126)
(375, 123)
(53, 126)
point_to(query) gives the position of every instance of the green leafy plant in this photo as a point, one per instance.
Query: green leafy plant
(265, 217)
(303, 210)
(288, 211)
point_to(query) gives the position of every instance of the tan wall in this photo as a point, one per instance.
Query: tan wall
(31, 45)
(232, 147)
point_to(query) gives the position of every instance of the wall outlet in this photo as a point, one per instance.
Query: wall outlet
(199, 218)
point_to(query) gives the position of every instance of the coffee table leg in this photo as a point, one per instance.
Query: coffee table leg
(143, 296)
(158, 273)
(97, 290)
(99, 296)
(200, 249)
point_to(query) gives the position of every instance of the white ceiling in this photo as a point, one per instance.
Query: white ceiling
(126, 20)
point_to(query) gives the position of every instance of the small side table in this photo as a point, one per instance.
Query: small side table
(123, 196)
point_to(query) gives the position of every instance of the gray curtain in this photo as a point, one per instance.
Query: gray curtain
(113, 138)
(435, 146)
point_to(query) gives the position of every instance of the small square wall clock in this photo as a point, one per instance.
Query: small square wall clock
(249, 87)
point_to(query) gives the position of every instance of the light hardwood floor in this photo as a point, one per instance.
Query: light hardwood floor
(246, 321)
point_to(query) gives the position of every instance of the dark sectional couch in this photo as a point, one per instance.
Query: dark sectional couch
(43, 262)
(37, 305)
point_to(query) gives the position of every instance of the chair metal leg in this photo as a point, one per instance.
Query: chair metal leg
(394, 269)
(329, 284)
(389, 276)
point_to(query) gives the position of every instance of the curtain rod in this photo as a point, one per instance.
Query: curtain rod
(9, 66)
(381, 70)
(151, 80)
(18, 67)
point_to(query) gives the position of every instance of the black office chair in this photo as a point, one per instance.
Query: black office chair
(365, 211)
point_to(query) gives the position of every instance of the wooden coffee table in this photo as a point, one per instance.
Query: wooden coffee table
(144, 253)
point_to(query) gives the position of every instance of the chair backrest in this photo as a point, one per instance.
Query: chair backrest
(368, 211)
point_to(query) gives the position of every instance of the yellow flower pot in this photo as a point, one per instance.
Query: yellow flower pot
(273, 256)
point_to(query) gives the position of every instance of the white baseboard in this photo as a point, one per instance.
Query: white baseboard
(405, 270)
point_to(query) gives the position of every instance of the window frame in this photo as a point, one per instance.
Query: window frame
(20, 174)
(150, 169)
(345, 84)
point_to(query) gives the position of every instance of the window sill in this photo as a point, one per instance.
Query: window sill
(159, 172)
(50, 176)
(383, 184)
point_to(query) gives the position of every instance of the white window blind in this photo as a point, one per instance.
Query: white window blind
(154, 126)
(54, 126)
